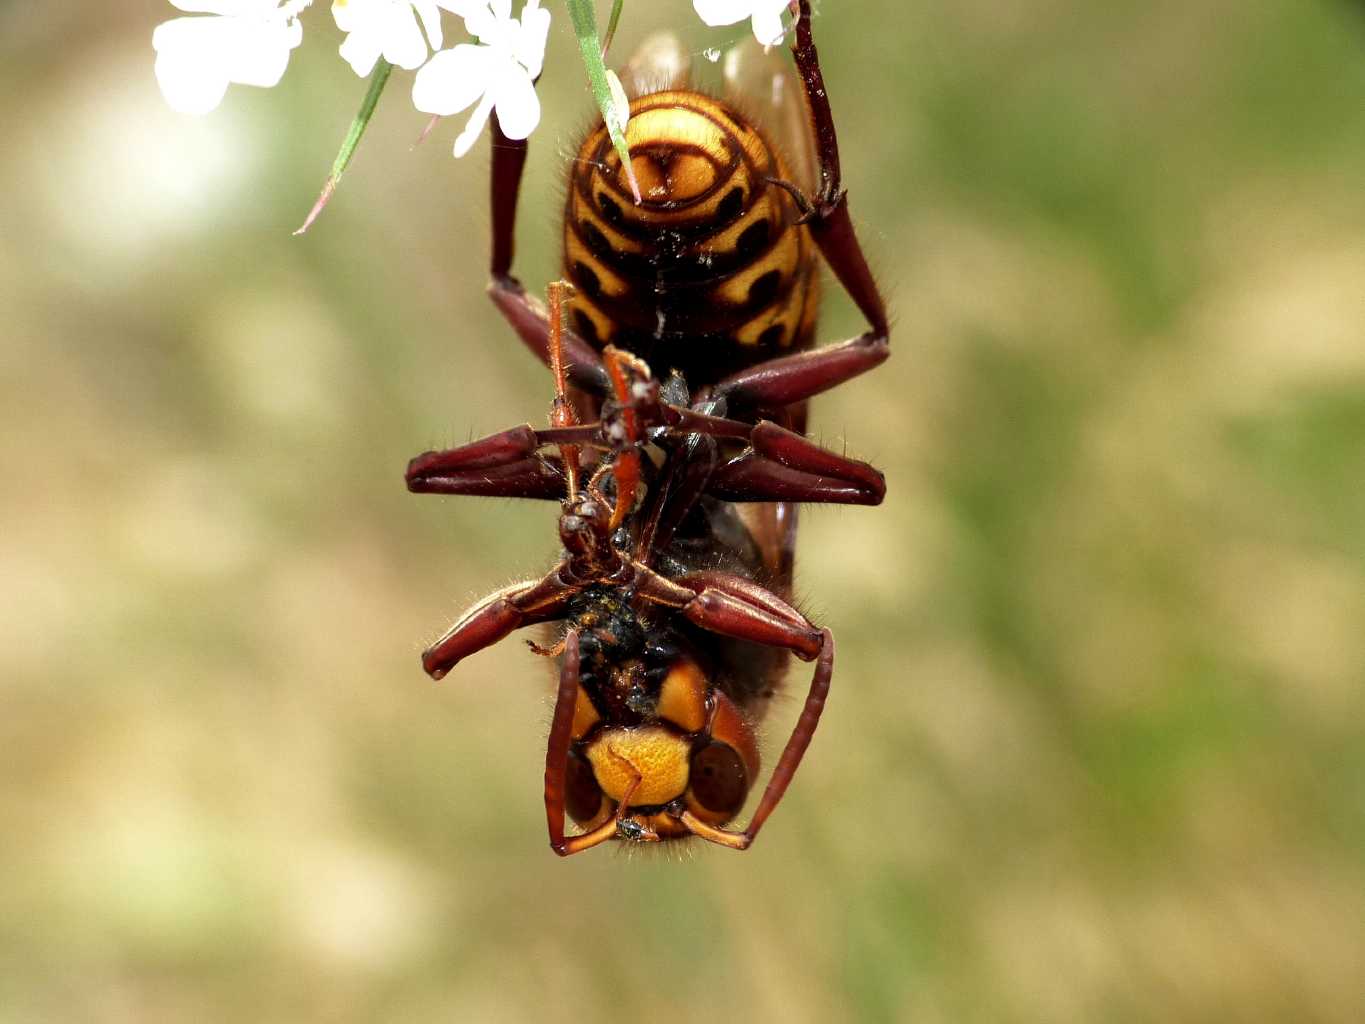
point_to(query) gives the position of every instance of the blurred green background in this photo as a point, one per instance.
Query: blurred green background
(1095, 746)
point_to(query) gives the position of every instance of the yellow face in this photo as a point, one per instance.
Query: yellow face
(698, 755)
(641, 766)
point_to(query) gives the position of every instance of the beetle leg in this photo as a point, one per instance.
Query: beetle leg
(749, 592)
(536, 477)
(566, 846)
(495, 617)
(786, 764)
(505, 465)
(557, 758)
(732, 606)
(782, 465)
(504, 187)
(788, 379)
(752, 477)
(525, 313)
(829, 221)
(528, 318)
(557, 762)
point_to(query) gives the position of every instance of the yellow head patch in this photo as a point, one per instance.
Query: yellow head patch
(657, 757)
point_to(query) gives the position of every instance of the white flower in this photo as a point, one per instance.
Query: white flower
(765, 16)
(386, 28)
(499, 73)
(243, 41)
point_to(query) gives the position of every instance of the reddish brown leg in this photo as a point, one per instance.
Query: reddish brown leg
(718, 612)
(508, 464)
(786, 764)
(526, 315)
(748, 592)
(528, 318)
(778, 444)
(694, 421)
(557, 747)
(781, 464)
(788, 379)
(557, 762)
(795, 378)
(732, 606)
(494, 466)
(785, 466)
(497, 616)
(754, 478)
(829, 221)
(501, 449)
(505, 464)
(509, 160)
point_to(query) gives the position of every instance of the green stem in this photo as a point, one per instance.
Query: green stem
(589, 44)
(378, 79)
(611, 26)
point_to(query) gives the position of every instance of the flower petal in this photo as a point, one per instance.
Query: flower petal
(348, 13)
(535, 30)
(403, 42)
(466, 139)
(431, 22)
(208, 6)
(182, 34)
(481, 23)
(518, 105)
(463, 8)
(360, 50)
(721, 12)
(767, 25)
(191, 77)
(257, 53)
(368, 16)
(453, 79)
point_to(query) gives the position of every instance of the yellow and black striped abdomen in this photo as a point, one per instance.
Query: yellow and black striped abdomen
(711, 272)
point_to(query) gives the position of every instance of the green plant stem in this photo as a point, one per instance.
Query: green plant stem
(589, 44)
(379, 78)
